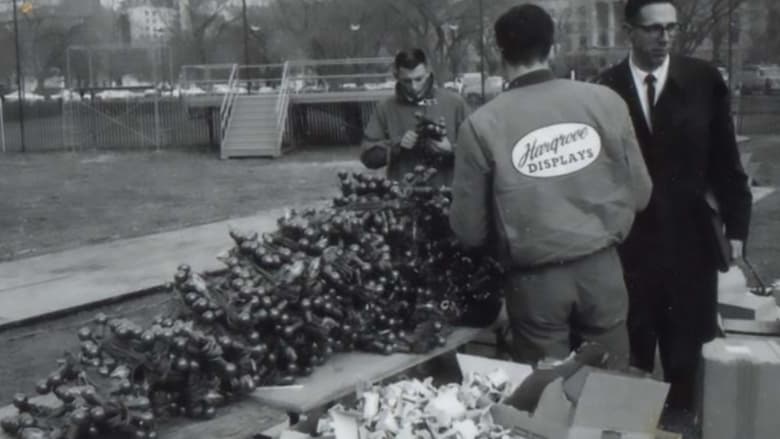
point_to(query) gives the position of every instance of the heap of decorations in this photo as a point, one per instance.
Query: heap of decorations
(414, 409)
(377, 271)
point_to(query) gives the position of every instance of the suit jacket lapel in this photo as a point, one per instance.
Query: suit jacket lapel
(670, 108)
(624, 85)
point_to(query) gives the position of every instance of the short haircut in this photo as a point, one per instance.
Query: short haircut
(409, 59)
(631, 11)
(524, 34)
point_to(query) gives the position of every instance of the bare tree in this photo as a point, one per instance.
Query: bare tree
(47, 32)
(700, 20)
(765, 37)
(8, 52)
(206, 22)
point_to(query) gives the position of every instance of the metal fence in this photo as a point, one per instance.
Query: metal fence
(127, 124)
(320, 124)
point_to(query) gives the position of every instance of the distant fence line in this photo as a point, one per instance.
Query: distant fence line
(130, 124)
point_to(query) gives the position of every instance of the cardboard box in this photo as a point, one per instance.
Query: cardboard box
(755, 328)
(746, 305)
(517, 372)
(607, 405)
(741, 389)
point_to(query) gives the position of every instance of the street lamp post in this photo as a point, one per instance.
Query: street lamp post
(730, 55)
(482, 47)
(246, 46)
(354, 28)
(246, 32)
(19, 82)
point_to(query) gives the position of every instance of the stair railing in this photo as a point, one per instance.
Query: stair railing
(282, 105)
(226, 108)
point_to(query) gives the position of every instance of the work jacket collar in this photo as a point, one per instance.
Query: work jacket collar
(530, 78)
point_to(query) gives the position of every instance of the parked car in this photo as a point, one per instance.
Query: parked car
(759, 79)
(472, 87)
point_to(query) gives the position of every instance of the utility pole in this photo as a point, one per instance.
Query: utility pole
(730, 56)
(19, 82)
(246, 46)
(482, 47)
(246, 33)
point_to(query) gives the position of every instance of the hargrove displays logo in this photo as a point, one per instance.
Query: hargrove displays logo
(556, 150)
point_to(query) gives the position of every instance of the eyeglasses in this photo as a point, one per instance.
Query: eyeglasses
(658, 29)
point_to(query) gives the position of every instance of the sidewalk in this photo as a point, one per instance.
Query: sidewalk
(69, 280)
(61, 282)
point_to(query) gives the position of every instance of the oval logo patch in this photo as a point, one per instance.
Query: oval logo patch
(556, 150)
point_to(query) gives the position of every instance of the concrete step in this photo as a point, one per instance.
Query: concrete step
(248, 118)
(250, 151)
(254, 107)
(252, 135)
(255, 129)
(250, 141)
(252, 113)
(248, 130)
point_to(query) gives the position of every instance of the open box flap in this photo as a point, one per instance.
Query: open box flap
(523, 425)
(517, 372)
(553, 405)
(617, 403)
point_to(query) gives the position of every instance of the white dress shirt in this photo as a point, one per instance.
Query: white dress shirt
(639, 75)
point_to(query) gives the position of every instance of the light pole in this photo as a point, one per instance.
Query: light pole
(354, 28)
(246, 32)
(730, 47)
(19, 82)
(482, 47)
(246, 47)
(450, 47)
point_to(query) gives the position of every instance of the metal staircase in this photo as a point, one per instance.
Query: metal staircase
(253, 125)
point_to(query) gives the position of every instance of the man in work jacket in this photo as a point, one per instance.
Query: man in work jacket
(390, 138)
(549, 177)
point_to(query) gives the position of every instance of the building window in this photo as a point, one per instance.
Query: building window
(583, 41)
(602, 23)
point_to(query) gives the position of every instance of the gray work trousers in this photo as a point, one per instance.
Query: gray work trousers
(585, 299)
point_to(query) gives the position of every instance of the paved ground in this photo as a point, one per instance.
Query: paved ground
(61, 281)
(763, 247)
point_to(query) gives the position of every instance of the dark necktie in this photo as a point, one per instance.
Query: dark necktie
(650, 81)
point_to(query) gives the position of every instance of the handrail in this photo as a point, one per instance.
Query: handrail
(282, 104)
(226, 108)
(345, 76)
(341, 61)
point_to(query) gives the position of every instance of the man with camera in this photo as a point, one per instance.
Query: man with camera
(416, 126)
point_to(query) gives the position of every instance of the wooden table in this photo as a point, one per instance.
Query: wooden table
(340, 375)
(337, 378)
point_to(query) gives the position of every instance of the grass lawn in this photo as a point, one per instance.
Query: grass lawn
(56, 201)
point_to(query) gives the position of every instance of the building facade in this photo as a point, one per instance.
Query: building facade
(152, 20)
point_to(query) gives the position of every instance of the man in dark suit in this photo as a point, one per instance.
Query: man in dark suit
(681, 114)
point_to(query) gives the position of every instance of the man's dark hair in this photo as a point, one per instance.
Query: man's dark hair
(409, 59)
(631, 11)
(524, 34)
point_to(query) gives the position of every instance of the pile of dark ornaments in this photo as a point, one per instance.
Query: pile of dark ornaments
(377, 271)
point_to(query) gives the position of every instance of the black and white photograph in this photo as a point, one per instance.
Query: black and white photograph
(389, 219)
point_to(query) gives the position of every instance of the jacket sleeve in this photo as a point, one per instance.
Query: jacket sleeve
(639, 177)
(471, 184)
(376, 145)
(461, 113)
(726, 176)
